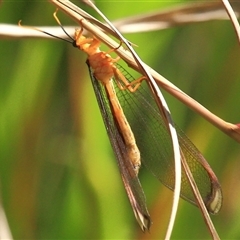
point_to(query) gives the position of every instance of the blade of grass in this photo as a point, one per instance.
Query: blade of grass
(233, 18)
(165, 113)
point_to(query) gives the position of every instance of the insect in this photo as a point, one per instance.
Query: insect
(106, 77)
(138, 132)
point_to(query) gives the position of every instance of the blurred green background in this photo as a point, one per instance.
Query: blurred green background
(58, 175)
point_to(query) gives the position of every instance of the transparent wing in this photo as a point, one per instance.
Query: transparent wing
(153, 140)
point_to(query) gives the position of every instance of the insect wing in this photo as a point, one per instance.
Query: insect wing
(155, 145)
(131, 182)
(204, 176)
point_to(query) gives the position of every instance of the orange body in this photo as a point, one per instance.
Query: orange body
(104, 71)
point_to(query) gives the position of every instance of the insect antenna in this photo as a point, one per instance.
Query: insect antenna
(70, 40)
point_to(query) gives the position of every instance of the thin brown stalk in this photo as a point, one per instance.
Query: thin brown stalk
(188, 13)
(200, 202)
(230, 129)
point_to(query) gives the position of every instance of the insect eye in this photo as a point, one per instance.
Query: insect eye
(74, 43)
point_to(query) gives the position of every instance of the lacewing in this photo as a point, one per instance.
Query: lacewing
(138, 133)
